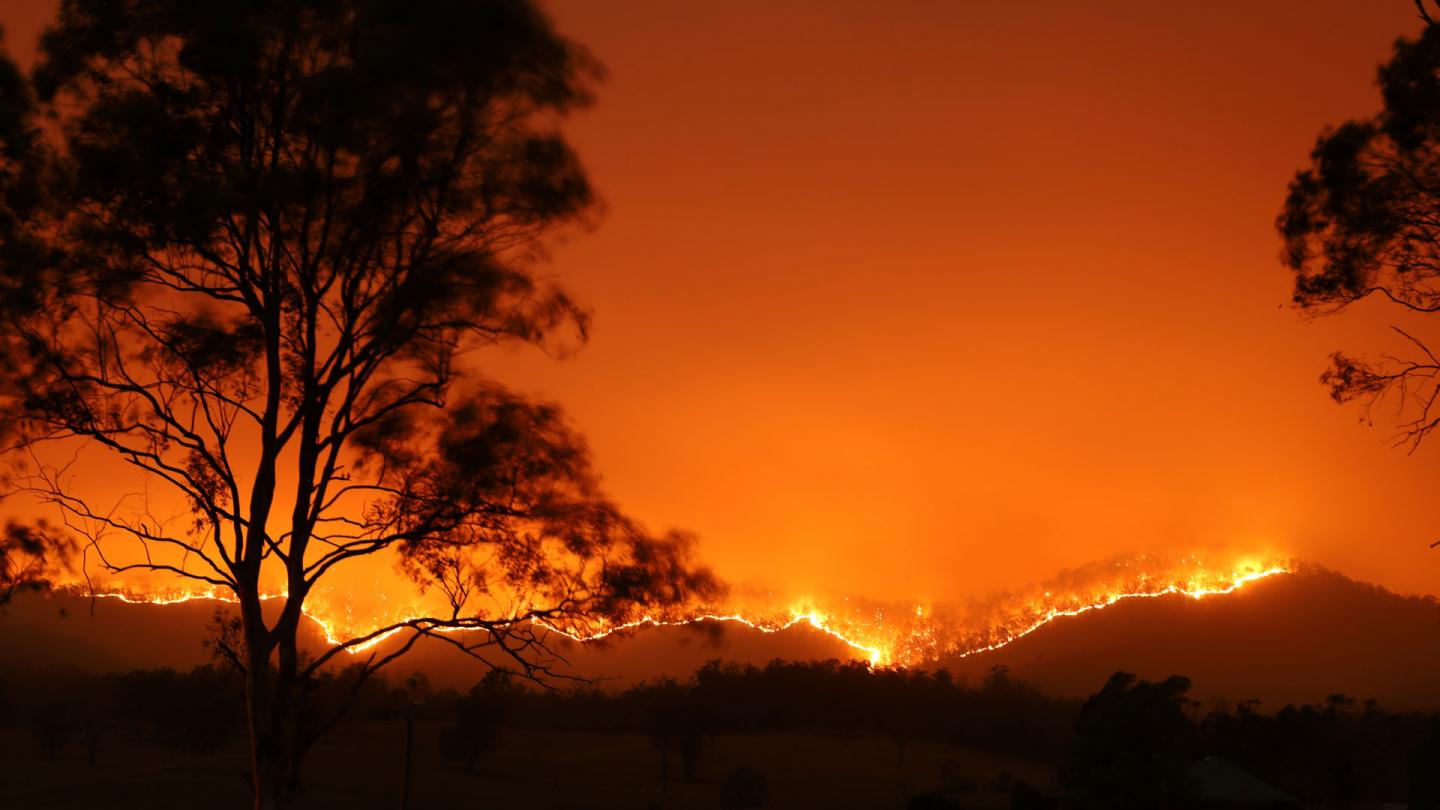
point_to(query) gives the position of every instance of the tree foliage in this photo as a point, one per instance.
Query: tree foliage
(31, 557)
(1363, 222)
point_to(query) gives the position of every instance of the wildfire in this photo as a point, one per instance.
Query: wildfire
(885, 635)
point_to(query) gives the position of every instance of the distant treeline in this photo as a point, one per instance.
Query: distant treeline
(1131, 742)
(1000, 714)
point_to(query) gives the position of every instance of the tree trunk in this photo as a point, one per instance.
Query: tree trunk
(265, 767)
(274, 740)
(269, 718)
(268, 776)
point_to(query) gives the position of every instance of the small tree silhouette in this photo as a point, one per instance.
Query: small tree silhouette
(677, 725)
(1133, 746)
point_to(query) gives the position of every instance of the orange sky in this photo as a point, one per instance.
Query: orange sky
(925, 299)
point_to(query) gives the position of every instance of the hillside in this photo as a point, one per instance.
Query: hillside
(1293, 638)
(106, 635)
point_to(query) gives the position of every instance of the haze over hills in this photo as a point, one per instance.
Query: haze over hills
(1293, 638)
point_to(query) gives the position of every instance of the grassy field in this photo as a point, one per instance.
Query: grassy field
(547, 770)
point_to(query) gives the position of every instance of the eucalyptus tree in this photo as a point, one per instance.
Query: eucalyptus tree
(31, 555)
(1362, 223)
(255, 253)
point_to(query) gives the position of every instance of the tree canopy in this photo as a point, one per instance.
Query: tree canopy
(32, 556)
(1363, 222)
(1133, 745)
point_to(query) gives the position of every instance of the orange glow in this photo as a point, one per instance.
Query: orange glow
(883, 637)
(916, 301)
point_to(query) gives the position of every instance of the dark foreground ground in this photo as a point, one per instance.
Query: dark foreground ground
(547, 770)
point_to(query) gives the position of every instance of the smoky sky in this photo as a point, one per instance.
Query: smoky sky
(925, 299)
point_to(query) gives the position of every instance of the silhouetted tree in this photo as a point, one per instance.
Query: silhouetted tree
(478, 716)
(21, 188)
(902, 707)
(1133, 746)
(30, 557)
(1363, 222)
(676, 726)
(271, 234)
(1425, 13)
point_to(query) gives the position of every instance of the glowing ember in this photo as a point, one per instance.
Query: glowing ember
(883, 635)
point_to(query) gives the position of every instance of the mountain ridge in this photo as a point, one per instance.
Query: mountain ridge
(1298, 637)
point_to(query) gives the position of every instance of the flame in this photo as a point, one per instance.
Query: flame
(883, 635)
